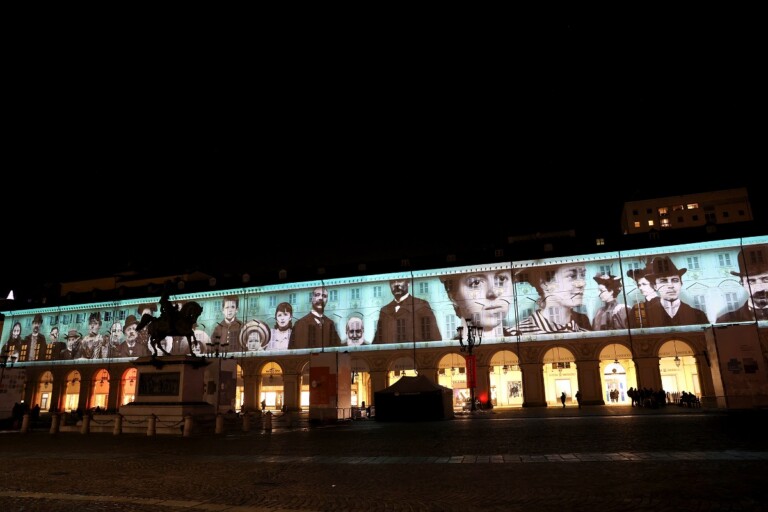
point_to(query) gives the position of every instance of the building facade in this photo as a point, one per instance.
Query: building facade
(686, 318)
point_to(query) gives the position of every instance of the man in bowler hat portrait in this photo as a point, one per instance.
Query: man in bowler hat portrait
(35, 341)
(667, 280)
(753, 274)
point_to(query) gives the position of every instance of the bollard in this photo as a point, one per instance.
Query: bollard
(151, 428)
(55, 418)
(187, 425)
(246, 422)
(219, 423)
(118, 425)
(86, 428)
(25, 424)
(268, 421)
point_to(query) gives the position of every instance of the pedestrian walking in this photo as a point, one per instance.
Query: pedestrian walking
(578, 398)
(562, 398)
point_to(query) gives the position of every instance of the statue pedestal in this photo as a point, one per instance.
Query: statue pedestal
(169, 389)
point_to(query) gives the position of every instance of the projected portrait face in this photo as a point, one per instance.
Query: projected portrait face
(230, 309)
(399, 288)
(54, 336)
(115, 332)
(283, 316)
(319, 300)
(254, 341)
(355, 331)
(646, 288)
(483, 297)
(565, 287)
(16, 331)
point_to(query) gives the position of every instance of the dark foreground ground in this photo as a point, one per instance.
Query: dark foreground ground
(593, 459)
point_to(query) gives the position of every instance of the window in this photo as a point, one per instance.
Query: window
(724, 259)
(53, 319)
(742, 213)
(695, 217)
(600, 241)
(710, 218)
(66, 319)
(650, 223)
(561, 366)
(400, 330)
(253, 303)
(635, 212)
(292, 299)
(80, 318)
(499, 253)
(333, 296)
(692, 206)
(693, 263)
(726, 215)
(700, 302)
(272, 301)
(678, 207)
(665, 223)
(637, 223)
(354, 294)
(107, 316)
(376, 292)
(755, 257)
(680, 220)
(731, 300)
(450, 324)
(648, 211)
(423, 288)
(663, 211)
(605, 270)
(426, 328)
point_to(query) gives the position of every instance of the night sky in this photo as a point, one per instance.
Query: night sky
(192, 161)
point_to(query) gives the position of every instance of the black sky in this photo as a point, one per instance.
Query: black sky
(199, 156)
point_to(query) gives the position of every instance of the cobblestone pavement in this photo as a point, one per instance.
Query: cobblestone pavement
(601, 458)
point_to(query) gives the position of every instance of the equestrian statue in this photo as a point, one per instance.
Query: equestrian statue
(171, 322)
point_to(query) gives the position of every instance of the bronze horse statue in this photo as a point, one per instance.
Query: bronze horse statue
(171, 322)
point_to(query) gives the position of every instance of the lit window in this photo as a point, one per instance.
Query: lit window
(600, 241)
(692, 206)
(665, 223)
(637, 223)
(663, 211)
(650, 223)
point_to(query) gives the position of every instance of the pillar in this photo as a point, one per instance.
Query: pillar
(55, 419)
(648, 373)
(118, 425)
(86, 427)
(378, 382)
(291, 392)
(533, 385)
(589, 382)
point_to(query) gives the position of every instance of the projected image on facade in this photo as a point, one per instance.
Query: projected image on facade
(660, 288)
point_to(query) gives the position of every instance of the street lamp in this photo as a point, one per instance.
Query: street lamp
(474, 338)
(218, 350)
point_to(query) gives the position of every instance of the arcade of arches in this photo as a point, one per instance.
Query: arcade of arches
(508, 375)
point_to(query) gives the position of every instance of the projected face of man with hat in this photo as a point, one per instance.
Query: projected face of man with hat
(667, 279)
(753, 275)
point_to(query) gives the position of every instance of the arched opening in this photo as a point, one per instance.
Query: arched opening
(100, 390)
(44, 391)
(72, 392)
(678, 369)
(618, 374)
(129, 385)
(400, 367)
(361, 383)
(506, 380)
(560, 376)
(452, 373)
(272, 395)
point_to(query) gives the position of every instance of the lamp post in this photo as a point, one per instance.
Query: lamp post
(474, 338)
(217, 350)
